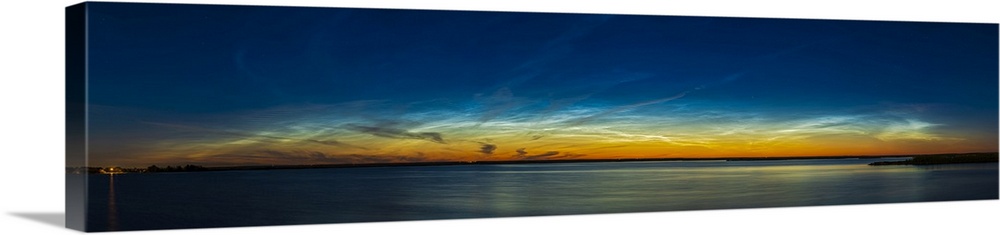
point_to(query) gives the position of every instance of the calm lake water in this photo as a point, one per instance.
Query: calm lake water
(304, 196)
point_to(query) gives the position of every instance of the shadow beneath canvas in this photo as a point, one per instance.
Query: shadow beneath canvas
(57, 219)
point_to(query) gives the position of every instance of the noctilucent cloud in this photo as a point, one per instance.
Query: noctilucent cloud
(237, 85)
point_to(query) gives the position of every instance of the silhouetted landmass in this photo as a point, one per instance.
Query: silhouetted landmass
(915, 160)
(937, 159)
(186, 168)
(83, 170)
(122, 170)
(489, 162)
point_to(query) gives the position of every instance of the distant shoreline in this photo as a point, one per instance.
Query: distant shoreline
(937, 159)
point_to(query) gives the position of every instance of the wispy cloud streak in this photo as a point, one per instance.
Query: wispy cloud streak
(623, 108)
(329, 142)
(394, 133)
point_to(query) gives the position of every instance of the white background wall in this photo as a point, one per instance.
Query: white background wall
(31, 130)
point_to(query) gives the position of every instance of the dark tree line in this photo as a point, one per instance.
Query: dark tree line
(150, 169)
(155, 168)
(944, 159)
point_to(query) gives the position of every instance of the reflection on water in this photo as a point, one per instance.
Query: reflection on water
(112, 208)
(242, 198)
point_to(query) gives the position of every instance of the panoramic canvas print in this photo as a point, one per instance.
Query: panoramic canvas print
(196, 116)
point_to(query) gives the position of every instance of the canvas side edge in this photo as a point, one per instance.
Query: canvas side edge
(76, 167)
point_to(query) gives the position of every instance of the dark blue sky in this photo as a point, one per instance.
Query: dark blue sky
(212, 68)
